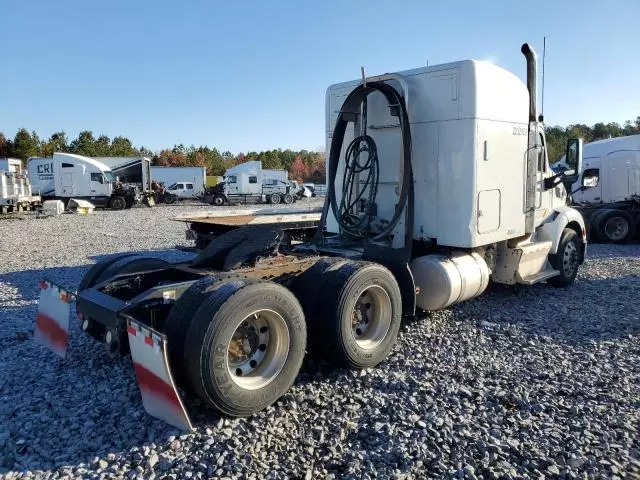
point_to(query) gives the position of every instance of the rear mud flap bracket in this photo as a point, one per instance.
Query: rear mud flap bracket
(160, 396)
(52, 320)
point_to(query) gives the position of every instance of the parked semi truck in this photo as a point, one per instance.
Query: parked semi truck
(65, 176)
(442, 187)
(249, 183)
(611, 204)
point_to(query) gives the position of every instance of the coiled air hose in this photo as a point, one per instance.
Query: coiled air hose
(349, 223)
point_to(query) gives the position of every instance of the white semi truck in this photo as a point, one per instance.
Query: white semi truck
(65, 176)
(248, 182)
(439, 186)
(611, 204)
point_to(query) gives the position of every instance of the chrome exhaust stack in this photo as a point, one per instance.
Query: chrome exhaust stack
(532, 74)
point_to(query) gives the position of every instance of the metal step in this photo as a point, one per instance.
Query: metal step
(539, 277)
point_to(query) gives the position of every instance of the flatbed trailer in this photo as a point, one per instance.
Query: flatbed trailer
(298, 224)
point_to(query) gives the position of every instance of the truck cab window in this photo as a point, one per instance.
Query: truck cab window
(253, 179)
(97, 177)
(67, 165)
(232, 179)
(189, 186)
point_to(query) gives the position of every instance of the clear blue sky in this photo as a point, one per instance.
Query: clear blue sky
(251, 75)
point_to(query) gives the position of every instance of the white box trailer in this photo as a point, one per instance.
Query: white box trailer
(611, 204)
(183, 182)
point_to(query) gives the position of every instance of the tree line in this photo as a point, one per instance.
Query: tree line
(301, 165)
(557, 136)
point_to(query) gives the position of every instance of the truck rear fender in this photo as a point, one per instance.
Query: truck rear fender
(561, 218)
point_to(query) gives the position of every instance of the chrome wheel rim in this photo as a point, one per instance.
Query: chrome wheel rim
(570, 259)
(258, 349)
(616, 228)
(371, 317)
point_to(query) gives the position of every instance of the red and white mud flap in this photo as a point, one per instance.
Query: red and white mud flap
(52, 322)
(159, 394)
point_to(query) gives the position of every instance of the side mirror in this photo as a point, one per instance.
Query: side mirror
(573, 159)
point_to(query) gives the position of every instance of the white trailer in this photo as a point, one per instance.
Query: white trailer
(459, 194)
(611, 203)
(66, 175)
(183, 182)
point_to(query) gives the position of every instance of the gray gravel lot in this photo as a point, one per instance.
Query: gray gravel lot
(519, 383)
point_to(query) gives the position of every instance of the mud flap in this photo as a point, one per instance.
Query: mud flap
(159, 394)
(52, 322)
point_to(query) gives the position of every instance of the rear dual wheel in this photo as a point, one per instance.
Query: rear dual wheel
(242, 348)
(274, 199)
(354, 311)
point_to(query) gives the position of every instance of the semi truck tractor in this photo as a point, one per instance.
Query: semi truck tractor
(438, 183)
(611, 204)
(249, 183)
(65, 176)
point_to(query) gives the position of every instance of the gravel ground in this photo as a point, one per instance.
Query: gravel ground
(519, 383)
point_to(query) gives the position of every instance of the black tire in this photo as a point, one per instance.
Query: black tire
(169, 199)
(274, 199)
(307, 288)
(566, 260)
(208, 342)
(616, 226)
(130, 264)
(334, 319)
(218, 200)
(287, 199)
(89, 279)
(179, 321)
(117, 203)
(594, 224)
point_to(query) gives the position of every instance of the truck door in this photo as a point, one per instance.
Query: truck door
(96, 185)
(232, 184)
(187, 192)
